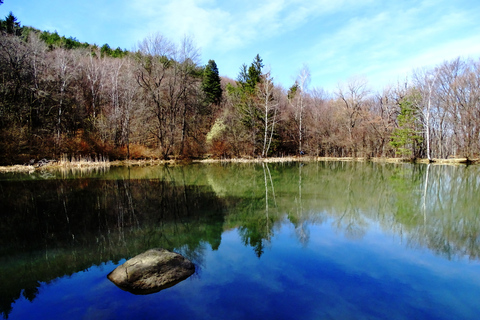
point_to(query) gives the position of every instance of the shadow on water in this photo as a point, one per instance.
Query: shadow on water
(61, 224)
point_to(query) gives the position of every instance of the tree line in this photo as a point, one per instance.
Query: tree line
(435, 114)
(60, 96)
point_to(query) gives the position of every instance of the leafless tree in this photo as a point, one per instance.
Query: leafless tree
(154, 59)
(94, 71)
(298, 97)
(425, 82)
(303, 82)
(353, 97)
(65, 67)
(269, 105)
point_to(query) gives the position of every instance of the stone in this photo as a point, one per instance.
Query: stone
(152, 271)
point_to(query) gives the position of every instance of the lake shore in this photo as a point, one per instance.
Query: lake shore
(53, 165)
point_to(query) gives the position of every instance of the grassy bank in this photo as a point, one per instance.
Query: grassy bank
(73, 163)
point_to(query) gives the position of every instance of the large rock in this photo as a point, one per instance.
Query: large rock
(152, 271)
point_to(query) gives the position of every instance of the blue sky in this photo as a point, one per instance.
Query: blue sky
(382, 41)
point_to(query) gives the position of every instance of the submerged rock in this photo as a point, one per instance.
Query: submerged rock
(152, 271)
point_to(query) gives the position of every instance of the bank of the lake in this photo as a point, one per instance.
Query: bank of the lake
(83, 164)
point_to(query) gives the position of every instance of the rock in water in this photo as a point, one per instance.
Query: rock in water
(152, 271)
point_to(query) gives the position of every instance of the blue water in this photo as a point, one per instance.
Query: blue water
(323, 274)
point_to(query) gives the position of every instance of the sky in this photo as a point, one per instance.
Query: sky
(381, 41)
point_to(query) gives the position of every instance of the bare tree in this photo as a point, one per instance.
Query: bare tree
(443, 126)
(303, 81)
(94, 71)
(269, 105)
(154, 60)
(297, 98)
(184, 89)
(166, 76)
(15, 72)
(318, 121)
(466, 110)
(38, 52)
(384, 111)
(426, 81)
(353, 97)
(128, 103)
(65, 66)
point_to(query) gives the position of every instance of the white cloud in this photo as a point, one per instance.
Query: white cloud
(387, 43)
(337, 39)
(225, 26)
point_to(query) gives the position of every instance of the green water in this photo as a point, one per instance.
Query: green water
(57, 225)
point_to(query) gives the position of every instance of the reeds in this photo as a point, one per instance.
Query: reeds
(82, 161)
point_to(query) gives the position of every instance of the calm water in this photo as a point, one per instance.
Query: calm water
(279, 241)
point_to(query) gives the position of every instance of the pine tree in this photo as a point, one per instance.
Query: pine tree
(407, 137)
(255, 72)
(11, 25)
(249, 77)
(211, 85)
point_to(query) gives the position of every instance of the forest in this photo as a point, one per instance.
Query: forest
(61, 97)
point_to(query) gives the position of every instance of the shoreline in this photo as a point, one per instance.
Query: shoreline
(55, 165)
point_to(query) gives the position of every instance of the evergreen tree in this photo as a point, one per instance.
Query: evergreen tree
(248, 78)
(407, 137)
(292, 92)
(247, 102)
(242, 77)
(255, 71)
(211, 86)
(11, 25)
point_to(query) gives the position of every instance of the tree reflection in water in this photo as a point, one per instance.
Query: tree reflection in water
(54, 228)
(64, 224)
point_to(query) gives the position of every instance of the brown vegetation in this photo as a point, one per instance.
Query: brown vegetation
(158, 103)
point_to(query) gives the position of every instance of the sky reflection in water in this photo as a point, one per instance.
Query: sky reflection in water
(328, 277)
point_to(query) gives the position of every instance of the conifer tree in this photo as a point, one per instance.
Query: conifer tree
(255, 72)
(407, 137)
(248, 78)
(211, 86)
(11, 25)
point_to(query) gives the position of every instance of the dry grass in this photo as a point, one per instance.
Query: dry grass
(102, 162)
(17, 168)
(80, 162)
(64, 163)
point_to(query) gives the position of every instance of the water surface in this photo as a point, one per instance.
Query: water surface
(328, 240)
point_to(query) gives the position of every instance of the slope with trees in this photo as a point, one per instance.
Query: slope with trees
(59, 96)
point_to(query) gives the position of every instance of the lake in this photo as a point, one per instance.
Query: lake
(313, 240)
